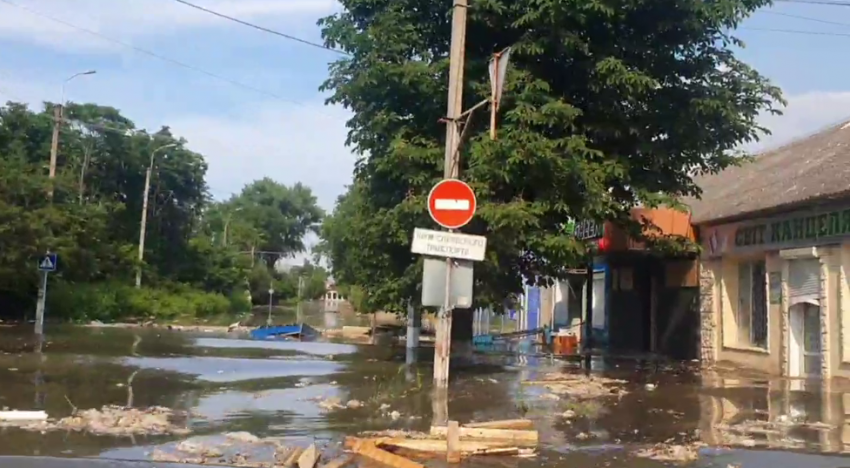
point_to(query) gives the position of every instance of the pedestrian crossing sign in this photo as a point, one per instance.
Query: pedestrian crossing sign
(48, 262)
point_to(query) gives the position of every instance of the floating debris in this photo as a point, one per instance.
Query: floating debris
(112, 420)
(581, 386)
(671, 452)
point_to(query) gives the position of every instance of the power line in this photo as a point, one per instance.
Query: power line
(794, 31)
(806, 18)
(262, 28)
(818, 2)
(154, 54)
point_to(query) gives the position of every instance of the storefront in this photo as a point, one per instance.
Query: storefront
(640, 301)
(774, 292)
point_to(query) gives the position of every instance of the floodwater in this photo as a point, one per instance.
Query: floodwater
(269, 389)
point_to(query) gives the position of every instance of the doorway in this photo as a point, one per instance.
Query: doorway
(805, 353)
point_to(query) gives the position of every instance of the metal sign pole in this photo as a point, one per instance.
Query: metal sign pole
(42, 300)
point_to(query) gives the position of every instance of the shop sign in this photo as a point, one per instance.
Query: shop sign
(587, 230)
(794, 229)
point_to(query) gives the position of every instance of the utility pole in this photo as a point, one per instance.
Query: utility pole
(298, 310)
(54, 146)
(442, 345)
(144, 223)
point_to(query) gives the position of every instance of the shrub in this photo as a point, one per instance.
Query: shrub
(110, 302)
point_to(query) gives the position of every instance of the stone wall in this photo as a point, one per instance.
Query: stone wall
(708, 321)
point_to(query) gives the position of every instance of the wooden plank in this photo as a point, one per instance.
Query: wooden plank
(466, 447)
(293, 457)
(367, 448)
(518, 436)
(503, 424)
(453, 442)
(338, 462)
(309, 457)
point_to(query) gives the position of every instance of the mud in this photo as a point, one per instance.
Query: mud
(150, 394)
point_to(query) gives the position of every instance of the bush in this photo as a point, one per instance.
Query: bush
(111, 302)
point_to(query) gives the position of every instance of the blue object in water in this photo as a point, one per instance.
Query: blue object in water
(282, 331)
(482, 340)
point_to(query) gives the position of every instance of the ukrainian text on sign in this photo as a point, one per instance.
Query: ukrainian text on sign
(448, 244)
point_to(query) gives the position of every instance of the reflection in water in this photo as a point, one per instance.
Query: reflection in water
(779, 414)
(232, 370)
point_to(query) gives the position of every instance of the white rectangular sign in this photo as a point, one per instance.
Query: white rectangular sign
(448, 244)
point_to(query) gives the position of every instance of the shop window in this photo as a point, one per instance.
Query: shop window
(752, 304)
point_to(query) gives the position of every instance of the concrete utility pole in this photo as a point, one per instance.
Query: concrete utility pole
(442, 345)
(144, 222)
(58, 115)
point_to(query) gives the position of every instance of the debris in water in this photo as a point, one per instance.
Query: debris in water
(112, 420)
(23, 416)
(581, 386)
(493, 438)
(671, 452)
(354, 404)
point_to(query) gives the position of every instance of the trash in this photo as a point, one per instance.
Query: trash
(671, 452)
(110, 420)
(23, 416)
(580, 385)
(354, 404)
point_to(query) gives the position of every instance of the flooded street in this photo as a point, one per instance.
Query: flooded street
(302, 393)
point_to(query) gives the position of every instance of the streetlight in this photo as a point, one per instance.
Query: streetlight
(145, 212)
(227, 223)
(64, 83)
(58, 112)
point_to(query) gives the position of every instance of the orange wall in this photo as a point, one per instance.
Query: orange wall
(669, 221)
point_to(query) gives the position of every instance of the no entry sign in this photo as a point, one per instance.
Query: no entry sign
(451, 203)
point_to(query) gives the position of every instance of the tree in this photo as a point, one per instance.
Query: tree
(93, 220)
(272, 217)
(608, 104)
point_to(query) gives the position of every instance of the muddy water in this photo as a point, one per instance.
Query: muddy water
(267, 389)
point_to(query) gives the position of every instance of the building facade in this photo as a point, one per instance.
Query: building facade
(775, 237)
(775, 292)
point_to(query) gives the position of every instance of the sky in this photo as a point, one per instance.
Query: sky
(249, 100)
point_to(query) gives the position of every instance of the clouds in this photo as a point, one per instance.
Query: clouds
(806, 114)
(290, 144)
(130, 20)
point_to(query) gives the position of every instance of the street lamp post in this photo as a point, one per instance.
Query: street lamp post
(57, 123)
(227, 224)
(144, 222)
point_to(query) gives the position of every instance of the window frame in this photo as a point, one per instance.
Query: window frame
(753, 305)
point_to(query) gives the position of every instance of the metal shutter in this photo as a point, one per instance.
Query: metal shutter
(804, 281)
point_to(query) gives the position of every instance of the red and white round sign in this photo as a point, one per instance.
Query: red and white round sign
(451, 203)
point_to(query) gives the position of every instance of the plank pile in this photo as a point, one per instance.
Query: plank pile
(514, 437)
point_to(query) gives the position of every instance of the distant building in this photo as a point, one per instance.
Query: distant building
(333, 299)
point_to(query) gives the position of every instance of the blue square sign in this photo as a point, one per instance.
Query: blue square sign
(48, 262)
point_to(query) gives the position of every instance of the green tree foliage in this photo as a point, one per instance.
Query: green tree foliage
(608, 104)
(94, 218)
